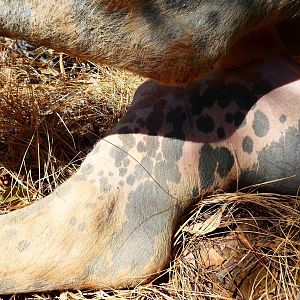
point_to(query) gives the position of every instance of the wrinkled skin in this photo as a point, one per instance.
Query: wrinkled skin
(111, 224)
(171, 41)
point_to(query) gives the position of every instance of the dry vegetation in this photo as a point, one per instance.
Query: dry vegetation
(53, 108)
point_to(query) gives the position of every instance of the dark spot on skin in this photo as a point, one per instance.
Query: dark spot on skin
(165, 171)
(147, 163)
(223, 94)
(104, 185)
(87, 169)
(118, 163)
(283, 118)
(261, 124)
(168, 170)
(229, 118)
(177, 118)
(121, 183)
(205, 124)
(241, 95)
(110, 174)
(221, 133)
(152, 15)
(130, 180)
(100, 198)
(223, 100)
(276, 161)
(247, 144)
(145, 225)
(213, 19)
(238, 119)
(126, 162)
(206, 100)
(82, 227)
(139, 172)
(23, 245)
(152, 145)
(127, 139)
(155, 119)
(212, 160)
(141, 147)
(118, 155)
(72, 221)
(122, 172)
(172, 149)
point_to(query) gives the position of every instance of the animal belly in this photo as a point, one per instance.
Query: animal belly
(232, 129)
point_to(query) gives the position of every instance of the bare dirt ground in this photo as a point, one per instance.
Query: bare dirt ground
(53, 108)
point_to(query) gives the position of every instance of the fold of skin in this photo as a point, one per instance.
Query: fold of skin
(111, 224)
(173, 42)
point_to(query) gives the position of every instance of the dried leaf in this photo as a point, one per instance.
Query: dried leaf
(211, 224)
(210, 257)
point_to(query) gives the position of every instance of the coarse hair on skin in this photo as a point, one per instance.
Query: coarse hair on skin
(173, 42)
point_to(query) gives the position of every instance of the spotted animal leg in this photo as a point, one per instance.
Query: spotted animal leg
(111, 224)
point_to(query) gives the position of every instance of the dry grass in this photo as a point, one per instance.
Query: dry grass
(54, 108)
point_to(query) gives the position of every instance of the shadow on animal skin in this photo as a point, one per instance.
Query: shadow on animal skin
(111, 224)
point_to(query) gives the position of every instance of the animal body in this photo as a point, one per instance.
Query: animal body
(171, 41)
(111, 224)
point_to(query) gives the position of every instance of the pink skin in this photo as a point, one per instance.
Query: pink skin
(111, 224)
